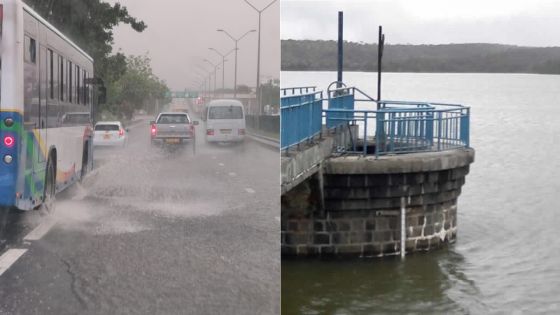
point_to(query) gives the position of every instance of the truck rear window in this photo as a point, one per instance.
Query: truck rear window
(173, 119)
(225, 112)
(107, 127)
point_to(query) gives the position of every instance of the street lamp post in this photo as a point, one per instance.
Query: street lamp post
(259, 96)
(236, 49)
(223, 65)
(216, 66)
(206, 73)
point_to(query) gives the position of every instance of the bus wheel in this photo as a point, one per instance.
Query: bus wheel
(48, 205)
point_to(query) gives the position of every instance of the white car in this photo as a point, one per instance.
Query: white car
(225, 121)
(109, 133)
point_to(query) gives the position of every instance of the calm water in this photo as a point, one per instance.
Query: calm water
(507, 256)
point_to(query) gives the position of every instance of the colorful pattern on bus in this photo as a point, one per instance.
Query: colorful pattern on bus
(29, 159)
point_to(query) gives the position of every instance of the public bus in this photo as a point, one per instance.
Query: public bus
(45, 109)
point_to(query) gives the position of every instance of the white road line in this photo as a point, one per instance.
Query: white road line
(40, 230)
(250, 190)
(277, 219)
(9, 258)
(232, 174)
(221, 164)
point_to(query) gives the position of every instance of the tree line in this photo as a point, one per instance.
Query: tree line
(321, 55)
(129, 80)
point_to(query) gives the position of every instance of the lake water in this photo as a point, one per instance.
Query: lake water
(507, 256)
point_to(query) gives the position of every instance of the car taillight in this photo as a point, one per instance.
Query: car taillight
(154, 130)
(210, 132)
(241, 132)
(121, 132)
(9, 141)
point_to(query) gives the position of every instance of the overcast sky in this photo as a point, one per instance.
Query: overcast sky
(516, 22)
(180, 32)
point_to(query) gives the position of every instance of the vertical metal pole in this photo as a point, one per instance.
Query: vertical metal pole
(235, 75)
(215, 75)
(380, 46)
(340, 47)
(365, 133)
(223, 74)
(259, 99)
(403, 227)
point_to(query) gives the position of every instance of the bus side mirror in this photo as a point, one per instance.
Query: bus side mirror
(152, 122)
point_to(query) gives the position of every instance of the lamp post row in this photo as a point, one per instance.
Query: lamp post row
(236, 40)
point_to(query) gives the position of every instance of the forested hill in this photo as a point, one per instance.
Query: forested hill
(319, 55)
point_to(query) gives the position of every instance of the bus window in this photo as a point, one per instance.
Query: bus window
(50, 72)
(78, 86)
(61, 77)
(84, 89)
(70, 91)
(30, 54)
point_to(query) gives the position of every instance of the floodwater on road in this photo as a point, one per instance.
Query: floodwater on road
(506, 257)
(154, 231)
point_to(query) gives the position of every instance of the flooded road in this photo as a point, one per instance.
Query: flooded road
(154, 232)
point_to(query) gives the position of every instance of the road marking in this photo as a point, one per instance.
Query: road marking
(232, 174)
(221, 164)
(277, 219)
(250, 190)
(40, 230)
(9, 258)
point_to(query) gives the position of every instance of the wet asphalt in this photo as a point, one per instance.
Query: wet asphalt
(154, 231)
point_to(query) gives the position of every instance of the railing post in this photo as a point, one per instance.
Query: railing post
(439, 131)
(365, 133)
(430, 128)
(378, 132)
(465, 119)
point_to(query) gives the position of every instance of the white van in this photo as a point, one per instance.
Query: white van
(225, 121)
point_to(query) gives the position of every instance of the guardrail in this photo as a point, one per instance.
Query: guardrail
(301, 118)
(409, 127)
(299, 90)
(397, 127)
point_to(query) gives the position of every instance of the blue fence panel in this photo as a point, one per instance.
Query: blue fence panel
(300, 118)
(340, 99)
(422, 128)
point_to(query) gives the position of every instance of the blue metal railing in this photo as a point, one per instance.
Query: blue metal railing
(301, 116)
(297, 90)
(340, 98)
(397, 127)
(409, 127)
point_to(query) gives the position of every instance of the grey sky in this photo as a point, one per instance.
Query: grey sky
(180, 31)
(516, 22)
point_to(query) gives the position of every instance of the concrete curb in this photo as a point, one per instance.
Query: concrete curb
(269, 142)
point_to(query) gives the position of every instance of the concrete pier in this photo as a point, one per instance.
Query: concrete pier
(353, 206)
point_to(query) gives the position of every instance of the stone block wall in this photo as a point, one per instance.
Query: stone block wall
(362, 208)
